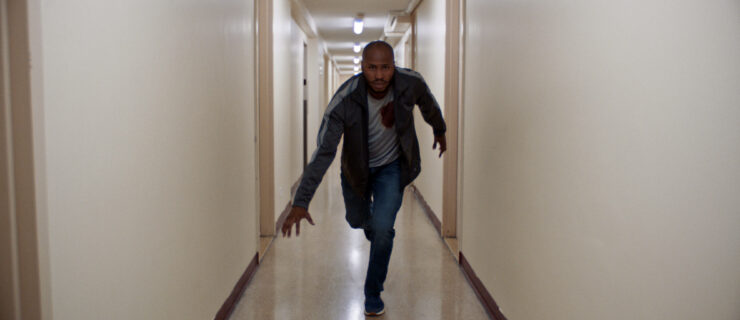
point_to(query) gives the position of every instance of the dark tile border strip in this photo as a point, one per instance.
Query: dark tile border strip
(428, 210)
(480, 290)
(230, 304)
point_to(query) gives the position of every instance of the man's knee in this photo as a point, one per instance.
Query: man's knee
(383, 234)
(356, 219)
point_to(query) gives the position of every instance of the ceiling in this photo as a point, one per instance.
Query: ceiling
(334, 21)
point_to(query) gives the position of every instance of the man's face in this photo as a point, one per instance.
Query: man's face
(378, 68)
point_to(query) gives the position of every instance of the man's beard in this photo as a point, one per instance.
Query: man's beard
(378, 94)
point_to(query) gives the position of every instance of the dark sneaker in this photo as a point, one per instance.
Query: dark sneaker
(374, 306)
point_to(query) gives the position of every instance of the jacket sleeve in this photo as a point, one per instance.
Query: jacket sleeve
(330, 133)
(430, 109)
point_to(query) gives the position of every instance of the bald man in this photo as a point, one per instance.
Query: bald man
(380, 157)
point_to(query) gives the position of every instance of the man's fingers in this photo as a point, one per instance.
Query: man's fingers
(442, 146)
(308, 217)
(288, 224)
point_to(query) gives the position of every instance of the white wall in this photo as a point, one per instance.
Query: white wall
(315, 60)
(336, 80)
(295, 107)
(401, 50)
(430, 62)
(289, 51)
(288, 105)
(342, 78)
(316, 108)
(602, 157)
(148, 123)
(329, 89)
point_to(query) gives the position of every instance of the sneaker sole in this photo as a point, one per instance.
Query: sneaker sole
(374, 314)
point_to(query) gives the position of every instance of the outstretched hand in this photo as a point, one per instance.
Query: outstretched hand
(442, 144)
(294, 217)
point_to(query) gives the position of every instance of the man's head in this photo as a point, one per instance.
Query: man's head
(378, 66)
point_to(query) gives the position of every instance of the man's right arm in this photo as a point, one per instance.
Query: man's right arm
(330, 133)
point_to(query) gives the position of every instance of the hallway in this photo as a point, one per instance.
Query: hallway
(320, 274)
(149, 148)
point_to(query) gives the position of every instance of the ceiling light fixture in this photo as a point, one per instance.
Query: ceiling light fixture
(359, 23)
(357, 60)
(357, 47)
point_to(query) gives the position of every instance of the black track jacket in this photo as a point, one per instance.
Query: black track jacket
(347, 114)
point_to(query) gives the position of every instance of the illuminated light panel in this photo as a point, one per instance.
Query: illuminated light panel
(358, 24)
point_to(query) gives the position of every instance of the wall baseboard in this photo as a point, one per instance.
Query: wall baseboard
(480, 290)
(230, 304)
(228, 307)
(427, 209)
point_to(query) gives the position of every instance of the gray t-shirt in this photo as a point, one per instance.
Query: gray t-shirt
(382, 140)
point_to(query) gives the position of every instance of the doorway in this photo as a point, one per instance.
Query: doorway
(305, 105)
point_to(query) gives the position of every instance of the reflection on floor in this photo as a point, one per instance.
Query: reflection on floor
(320, 274)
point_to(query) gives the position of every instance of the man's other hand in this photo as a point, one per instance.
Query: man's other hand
(294, 217)
(442, 144)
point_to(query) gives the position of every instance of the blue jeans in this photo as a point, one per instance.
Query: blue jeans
(376, 213)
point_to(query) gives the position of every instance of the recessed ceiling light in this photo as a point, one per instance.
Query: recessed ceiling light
(357, 60)
(358, 23)
(357, 47)
(357, 68)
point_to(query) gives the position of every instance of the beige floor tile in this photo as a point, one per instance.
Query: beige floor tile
(320, 274)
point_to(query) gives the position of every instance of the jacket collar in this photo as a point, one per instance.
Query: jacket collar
(359, 95)
(399, 85)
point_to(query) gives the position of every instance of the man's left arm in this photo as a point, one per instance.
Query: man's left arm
(432, 114)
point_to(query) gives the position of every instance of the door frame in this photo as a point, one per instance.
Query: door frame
(453, 108)
(265, 125)
(21, 196)
(9, 286)
(454, 85)
(461, 32)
